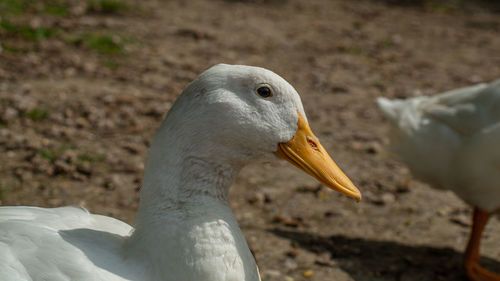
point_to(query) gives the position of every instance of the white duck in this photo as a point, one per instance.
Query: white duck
(452, 141)
(184, 230)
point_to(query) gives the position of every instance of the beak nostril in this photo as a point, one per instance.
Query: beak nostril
(313, 144)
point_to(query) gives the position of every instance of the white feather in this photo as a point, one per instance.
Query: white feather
(452, 140)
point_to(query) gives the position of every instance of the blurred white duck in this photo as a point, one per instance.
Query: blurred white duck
(452, 141)
(184, 230)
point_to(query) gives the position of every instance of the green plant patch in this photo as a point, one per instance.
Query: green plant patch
(47, 154)
(107, 6)
(106, 44)
(25, 31)
(355, 50)
(37, 114)
(385, 43)
(53, 154)
(56, 10)
(11, 49)
(442, 7)
(16, 7)
(12, 7)
(111, 64)
(91, 157)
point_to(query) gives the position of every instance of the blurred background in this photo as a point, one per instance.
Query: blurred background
(84, 85)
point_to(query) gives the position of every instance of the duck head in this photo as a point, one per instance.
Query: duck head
(239, 113)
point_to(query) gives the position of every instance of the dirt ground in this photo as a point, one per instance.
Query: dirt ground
(84, 85)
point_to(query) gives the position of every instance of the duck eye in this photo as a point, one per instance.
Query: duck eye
(264, 92)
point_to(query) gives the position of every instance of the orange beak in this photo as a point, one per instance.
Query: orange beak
(306, 153)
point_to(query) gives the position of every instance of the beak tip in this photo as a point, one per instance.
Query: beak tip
(349, 190)
(357, 196)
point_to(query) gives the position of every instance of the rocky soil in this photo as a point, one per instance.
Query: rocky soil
(84, 85)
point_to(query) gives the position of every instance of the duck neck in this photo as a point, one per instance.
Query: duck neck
(184, 226)
(182, 182)
(180, 187)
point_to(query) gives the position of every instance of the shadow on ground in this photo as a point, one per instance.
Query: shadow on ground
(447, 6)
(385, 260)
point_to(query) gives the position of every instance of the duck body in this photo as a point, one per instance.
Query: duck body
(451, 141)
(69, 243)
(58, 244)
(184, 229)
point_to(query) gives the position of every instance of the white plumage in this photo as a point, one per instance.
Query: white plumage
(58, 244)
(452, 141)
(184, 229)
